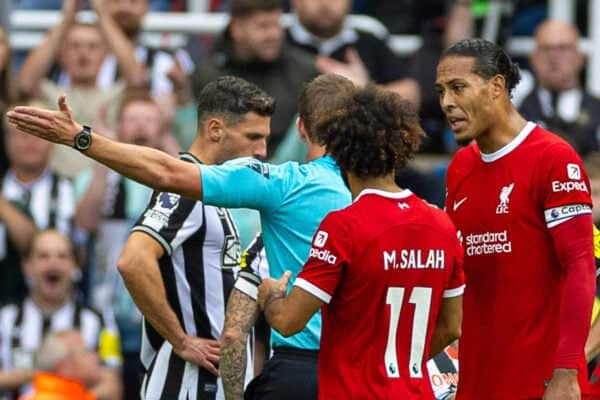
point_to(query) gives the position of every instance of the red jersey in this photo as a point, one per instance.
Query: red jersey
(503, 205)
(383, 266)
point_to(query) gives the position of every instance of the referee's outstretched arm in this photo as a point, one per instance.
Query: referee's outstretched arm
(148, 166)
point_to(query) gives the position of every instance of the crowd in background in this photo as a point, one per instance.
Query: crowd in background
(146, 96)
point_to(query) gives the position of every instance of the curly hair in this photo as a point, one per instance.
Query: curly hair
(490, 58)
(376, 133)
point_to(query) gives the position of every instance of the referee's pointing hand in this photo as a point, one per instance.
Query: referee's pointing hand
(54, 126)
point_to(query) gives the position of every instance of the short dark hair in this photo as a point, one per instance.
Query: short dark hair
(490, 60)
(320, 97)
(374, 134)
(244, 8)
(231, 98)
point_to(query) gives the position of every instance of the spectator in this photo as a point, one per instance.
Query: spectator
(445, 25)
(16, 231)
(108, 205)
(592, 167)
(67, 369)
(559, 102)
(253, 47)
(81, 50)
(360, 56)
(35, 186)
(51, 306)
(121, 24)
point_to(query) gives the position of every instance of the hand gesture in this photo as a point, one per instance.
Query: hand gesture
(271, 289)
(563, 386)
(181, 83)
(53, 126)
(353, 69)
(98, 6)
(202, 352)
(69, 11)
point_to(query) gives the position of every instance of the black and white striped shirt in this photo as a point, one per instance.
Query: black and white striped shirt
(23, 326)
(50, 199)
(202, 249)
(254, 268)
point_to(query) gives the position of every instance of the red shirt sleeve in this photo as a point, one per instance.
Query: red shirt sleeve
(456, 283)
(573, 242)
(564, 178)
(329, 254)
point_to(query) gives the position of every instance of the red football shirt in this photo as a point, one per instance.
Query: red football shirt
(503, 205)
(383, 266)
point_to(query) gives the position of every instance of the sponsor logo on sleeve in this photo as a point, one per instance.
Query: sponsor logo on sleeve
(158, 216)
(568, 187)
(555, 216)
(573, 171)
(323, 255)
(320, 239)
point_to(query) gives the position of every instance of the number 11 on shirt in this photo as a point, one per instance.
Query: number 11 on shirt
(421, 298)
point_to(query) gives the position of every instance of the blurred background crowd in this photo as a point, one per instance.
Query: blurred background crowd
(131, 69)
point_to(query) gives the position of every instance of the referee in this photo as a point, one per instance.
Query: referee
(292, 200)
(178, 261)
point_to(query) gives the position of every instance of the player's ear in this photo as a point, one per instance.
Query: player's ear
(215, 129)
(497, 86)
(301, 130)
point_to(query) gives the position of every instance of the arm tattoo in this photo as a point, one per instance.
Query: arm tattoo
(242, 312)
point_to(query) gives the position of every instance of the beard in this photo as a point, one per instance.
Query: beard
(323, 28)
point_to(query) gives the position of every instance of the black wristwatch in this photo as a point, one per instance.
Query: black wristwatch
(83, 140)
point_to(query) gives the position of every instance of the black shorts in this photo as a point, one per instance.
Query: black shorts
(291, 374)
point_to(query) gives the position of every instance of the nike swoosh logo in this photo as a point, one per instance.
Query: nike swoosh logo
(458, 203)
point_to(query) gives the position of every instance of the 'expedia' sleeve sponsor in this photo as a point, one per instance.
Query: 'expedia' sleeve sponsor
(242, 183)
(328, 256)
(564, 187)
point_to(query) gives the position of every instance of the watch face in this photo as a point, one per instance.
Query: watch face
(83, 142)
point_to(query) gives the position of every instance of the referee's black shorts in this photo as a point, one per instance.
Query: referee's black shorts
(291, 374)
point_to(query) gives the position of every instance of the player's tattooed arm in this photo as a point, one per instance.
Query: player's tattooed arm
(242, 312)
